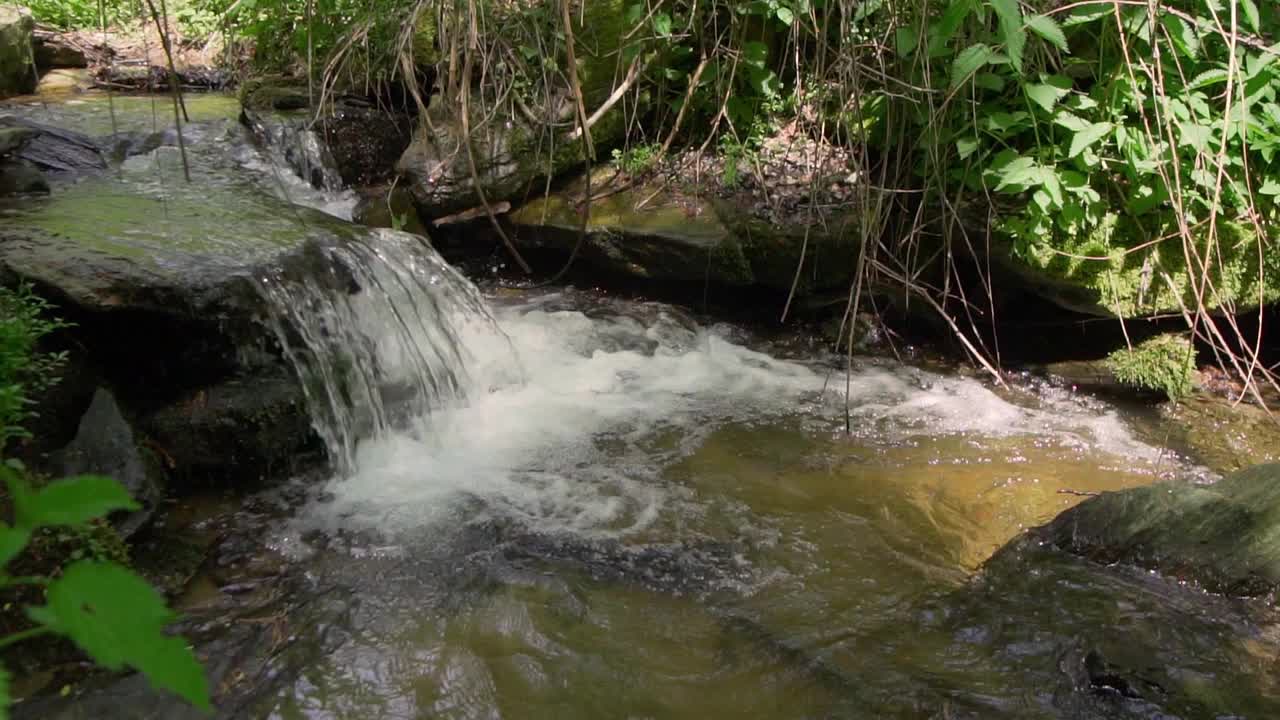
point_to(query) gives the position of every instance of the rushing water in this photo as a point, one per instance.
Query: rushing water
(552, 504)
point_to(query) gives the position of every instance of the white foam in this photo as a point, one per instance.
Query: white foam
(563, 442)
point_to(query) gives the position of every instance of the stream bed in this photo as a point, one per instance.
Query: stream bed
(559, 504)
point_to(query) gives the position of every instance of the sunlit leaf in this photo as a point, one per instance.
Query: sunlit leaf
(72, 500)
(969, 61)
(1087, 137)
(119, 620)
(1047, 28)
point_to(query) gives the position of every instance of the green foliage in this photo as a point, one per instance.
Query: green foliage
(636, 160)
(1166, 363)
(24, 371)
(77, 14)
(103, 607)
(1080, 122)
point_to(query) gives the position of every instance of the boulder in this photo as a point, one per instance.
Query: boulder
(513, 150)
(1224, 537)
(55, 150)
(54, 50)
(659, 231)
(107, 444)
(14, 137)
(389, 208)
(17, 74)
(20, 178)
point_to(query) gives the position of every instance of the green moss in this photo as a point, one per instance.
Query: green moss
(1165, 362)
(274, 92)
(1138, 277)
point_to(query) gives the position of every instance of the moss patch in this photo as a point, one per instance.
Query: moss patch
(1166, 363)
(1138, 277)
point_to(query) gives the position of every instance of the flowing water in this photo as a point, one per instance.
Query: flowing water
(554, 504)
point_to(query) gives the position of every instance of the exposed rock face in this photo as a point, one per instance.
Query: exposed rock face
(106, 444)
(663, 233)
(54, 150)
(510, 150)
(1225, 537)
(17, 75)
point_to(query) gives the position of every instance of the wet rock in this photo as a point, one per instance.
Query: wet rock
(389, 208)
(658, 231)
(55, 50)
(292, 136)
(512, 151)
(129, 144)
(54, 150)
(17, 76)
(365, 141)
(107, 444)
(20, 178)
(274, 92)
(155, 78)
(1224, 537)
(13, 138)
(57, 84)
(243, 431)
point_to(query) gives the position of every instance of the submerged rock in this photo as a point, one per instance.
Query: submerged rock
(17, 75)
(53, 149)
(1224, 537)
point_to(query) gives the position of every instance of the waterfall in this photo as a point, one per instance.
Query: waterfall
(375, 335)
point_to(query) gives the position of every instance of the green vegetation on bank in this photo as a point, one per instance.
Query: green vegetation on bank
(59, 561)
(1164, 363)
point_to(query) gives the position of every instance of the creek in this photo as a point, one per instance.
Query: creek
(555, 503)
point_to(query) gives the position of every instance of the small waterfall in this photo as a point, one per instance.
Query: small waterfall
(373, 329)
(300, 148)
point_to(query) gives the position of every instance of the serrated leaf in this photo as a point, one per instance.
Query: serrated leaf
(941, 32)
(1184, 36)
(969, 61)
(118, 619)
(1087, 13)
(1087, 137)
(1070, 122)
(966, 147)
(1270, 186)
(989, 81)
(1044, 94)
(1208, 78)
(1011, 32)
(70, 501)
(1048, 28)
(1251, 15)
(1194, 135)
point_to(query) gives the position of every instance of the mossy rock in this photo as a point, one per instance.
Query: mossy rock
(1141, 278)
(1165, 363)
(275, 92)
(17, 74)
(1224, 537)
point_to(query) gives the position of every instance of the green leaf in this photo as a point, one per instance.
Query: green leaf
(662, 24)
(1088, 12)
(1045, 95)
(1270, 186)
(989, 81)
(118, 619)
(785, 16)
(71, 501)
(1251, 15)
(1088, 136)
(969, 61)
(12, 540)
(905, 41)
(1194, 135)
(1183, 35)
(966, 147)
(1208, 78)
(755, 54)
(1015, 38)
(941, 33)
(1047, 28)
(5, 698)
(1070, 122)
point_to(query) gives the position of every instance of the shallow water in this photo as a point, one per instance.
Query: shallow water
(620, 510)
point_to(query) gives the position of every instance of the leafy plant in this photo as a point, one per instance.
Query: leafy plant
(104, 608)
(24, 371)
(1166, 363)
(636, 160)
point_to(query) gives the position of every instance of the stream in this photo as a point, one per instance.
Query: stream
(554, 503)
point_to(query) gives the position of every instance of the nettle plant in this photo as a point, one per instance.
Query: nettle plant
(106, 609)
(1131, 141)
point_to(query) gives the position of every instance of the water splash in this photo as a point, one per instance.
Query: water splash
(373, 335)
